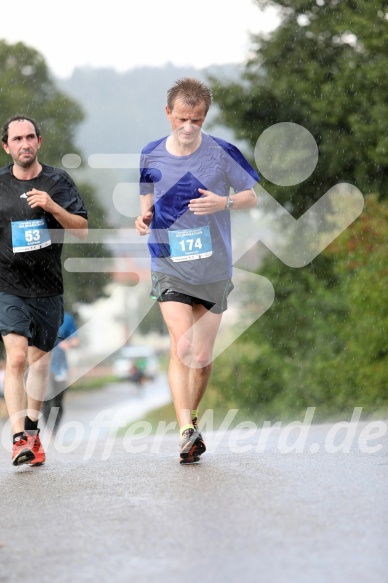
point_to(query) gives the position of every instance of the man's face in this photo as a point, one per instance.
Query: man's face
(186, 121)
(23, 143)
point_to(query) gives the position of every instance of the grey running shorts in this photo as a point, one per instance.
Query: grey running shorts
(213, 296)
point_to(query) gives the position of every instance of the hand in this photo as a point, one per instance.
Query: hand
(41, 199)
(207, 204)
(142, 223)
(64, 345)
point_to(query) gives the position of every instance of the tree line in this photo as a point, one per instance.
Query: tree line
(324, 342)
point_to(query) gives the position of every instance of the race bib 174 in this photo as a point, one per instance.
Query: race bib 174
(190, 244)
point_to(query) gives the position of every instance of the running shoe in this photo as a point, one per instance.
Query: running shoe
(192, 446)
(22, 452)
(36, 447)
(195, 423)
(201, 447)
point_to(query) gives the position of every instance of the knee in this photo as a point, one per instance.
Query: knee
(195, 357)
(184, 348)
(202, 358)
(17, 360)
(41, 365)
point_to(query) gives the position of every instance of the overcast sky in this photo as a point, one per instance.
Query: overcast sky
(126, 34)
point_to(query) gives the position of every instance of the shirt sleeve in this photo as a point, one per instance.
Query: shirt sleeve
(241, 174)
(67, 196)
(146, 183)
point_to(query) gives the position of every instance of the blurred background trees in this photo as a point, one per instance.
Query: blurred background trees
(324, 342)
(324, 68)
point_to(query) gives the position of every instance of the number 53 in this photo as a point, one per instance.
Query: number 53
(32, 235)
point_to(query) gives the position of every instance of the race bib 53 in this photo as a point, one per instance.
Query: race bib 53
(30, 235)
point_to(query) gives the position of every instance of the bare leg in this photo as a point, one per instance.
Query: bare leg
(16, 347)
(18, 356)
(37, 380)
(205, 328)
(192, 334)
(179, 319)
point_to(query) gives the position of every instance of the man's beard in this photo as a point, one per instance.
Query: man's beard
(26, 163)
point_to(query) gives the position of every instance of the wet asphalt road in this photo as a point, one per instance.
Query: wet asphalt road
(254, 509)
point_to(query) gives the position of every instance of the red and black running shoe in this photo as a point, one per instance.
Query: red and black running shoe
(36, 447)
(22, 452)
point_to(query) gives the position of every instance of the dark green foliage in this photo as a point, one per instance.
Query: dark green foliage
(325, 69)
(324, 342)
(360, 256)
(27, 88)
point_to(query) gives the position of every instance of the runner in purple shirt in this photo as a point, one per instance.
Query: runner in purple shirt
(186, 180)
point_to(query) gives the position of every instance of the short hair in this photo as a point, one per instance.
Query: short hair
(191, 91)
(19, 117)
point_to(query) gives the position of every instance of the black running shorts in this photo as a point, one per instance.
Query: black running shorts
(38, 319)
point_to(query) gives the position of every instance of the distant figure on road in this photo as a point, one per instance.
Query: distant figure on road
(136, 373)
(59, 373)
(37, 203)
(185, 182)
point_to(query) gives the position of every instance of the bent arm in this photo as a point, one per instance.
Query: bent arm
(69, 342)
(246, 199)
(210, 202)
(75, 224)
(142, 223)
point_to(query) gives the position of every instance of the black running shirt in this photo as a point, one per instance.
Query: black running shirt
(31, 240)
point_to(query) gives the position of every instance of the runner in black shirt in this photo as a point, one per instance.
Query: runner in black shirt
(37, 203)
